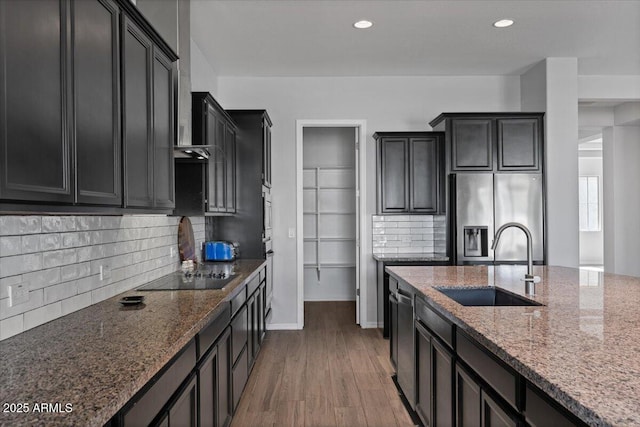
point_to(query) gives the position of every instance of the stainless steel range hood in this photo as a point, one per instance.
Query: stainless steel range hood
(200, 152)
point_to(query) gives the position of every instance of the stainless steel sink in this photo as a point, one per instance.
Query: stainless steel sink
(488, 296)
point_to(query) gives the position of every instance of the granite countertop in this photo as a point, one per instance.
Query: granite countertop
(582, 347)
(412, 257)
(97, 358)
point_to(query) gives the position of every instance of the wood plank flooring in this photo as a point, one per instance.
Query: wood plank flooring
(331, 373)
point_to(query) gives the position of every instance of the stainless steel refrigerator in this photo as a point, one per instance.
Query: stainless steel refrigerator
(483, 202)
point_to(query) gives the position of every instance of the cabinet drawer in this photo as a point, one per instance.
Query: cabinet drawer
(212, 331)
(539, 412)
(503, 380)
(147, 406)
(253, 285)
(240, 376)
(432, 320)
(238, 300)
(239, 333)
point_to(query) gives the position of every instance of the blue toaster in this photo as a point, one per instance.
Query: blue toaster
(219, 251)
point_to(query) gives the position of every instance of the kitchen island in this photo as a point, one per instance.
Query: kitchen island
(86, 366)
(580, 348)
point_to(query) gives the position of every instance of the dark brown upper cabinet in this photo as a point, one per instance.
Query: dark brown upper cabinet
(35, 149)
(96, 77)
(77, 90)
(519, 143)
(410, 172)
(471, 144)
(137, 58)
(61, 105)
(492, 142)
(164, 137)
(149, 82)
(215, 193)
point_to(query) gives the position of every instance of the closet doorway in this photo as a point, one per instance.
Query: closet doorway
(329, 225)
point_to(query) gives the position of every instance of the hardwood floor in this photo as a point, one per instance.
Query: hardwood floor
(331, 373)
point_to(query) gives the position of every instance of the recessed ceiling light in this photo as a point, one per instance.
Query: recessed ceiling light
(503, 23)
(363, 24)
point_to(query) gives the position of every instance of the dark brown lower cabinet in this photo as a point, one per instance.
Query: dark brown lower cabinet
(467, 399)
(262, 312)
(434, 380)
(252, 307)
(183, 411)
(163, 392)
(493, 415)
(240, 354)
(213, 384)
(540, 411)
(442, 368)
(424, 380)
(240, 376)
(224, 384)
(475, 407)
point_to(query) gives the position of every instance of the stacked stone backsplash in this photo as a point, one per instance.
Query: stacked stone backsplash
(394, 234)
(59, 258)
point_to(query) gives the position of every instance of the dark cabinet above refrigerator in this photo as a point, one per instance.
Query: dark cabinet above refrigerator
(492, 142)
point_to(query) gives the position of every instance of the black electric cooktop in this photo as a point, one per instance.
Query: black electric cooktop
(207, 279)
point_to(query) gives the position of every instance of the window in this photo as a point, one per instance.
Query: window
(589, 199)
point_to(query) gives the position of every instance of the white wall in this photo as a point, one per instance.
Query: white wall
(386, 103)
(591, 242)
(552, 86)
(203, 77)
(621, 156)
(609, 88)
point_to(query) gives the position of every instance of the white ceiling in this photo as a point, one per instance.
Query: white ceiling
(452, 37)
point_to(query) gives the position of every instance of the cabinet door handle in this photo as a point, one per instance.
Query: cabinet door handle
(403, 299)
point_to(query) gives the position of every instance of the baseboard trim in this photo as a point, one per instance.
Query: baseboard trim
(369, 325)
(283, 327)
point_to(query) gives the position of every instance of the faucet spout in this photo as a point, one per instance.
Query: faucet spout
(529, 244)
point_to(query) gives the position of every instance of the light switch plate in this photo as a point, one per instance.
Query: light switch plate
(18, 294)
(292, 232)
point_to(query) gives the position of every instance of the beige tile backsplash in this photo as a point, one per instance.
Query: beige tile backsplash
(392, 234)
(59, 258)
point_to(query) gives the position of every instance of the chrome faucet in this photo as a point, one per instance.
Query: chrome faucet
(529, 278)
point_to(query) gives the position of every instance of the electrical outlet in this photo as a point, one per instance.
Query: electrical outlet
(105, 272)
(18, 294)
(292, 232)
(172, 252)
